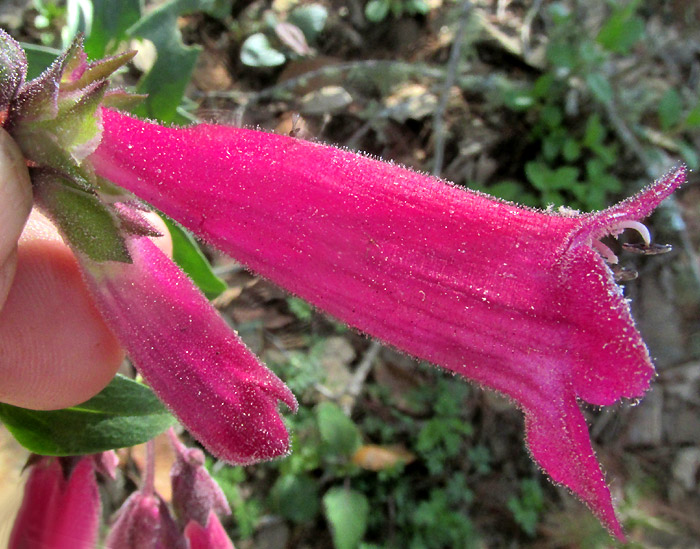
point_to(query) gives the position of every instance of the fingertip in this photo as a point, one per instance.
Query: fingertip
(55, 349)
(15, 195)
(165, 242)
(7, 273)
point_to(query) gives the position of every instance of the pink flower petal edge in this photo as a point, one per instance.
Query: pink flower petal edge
(190, 357)
(58, 512)
(211, 536)
(514, 299)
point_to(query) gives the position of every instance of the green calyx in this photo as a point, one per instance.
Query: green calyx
(56, 121)
(81, 217)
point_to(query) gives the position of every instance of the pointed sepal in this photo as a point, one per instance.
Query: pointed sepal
(88, 225)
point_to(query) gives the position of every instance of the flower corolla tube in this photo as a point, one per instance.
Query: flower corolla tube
(518, 300)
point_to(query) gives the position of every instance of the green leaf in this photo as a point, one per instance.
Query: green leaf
(562, 55)
(552, 116)
(622, 30)
(552, 145)
(590, 54)
(600, 87)
(564, 177)
(538, 173)
(125, 413)
(693, 118)
(543, 85)
(526, 509)
(347, 512)
(689, 153)
(295, 497)
(559, 11)
(571, 150)
(188, 255)
(110, 22)
(376, 10)
(311, 19)
(594, 133)
(340, 435)
(300, 308)
(39, 58)
(414, 7)
(670, 109)
(257, 51)
(518, 99)
(165, 83)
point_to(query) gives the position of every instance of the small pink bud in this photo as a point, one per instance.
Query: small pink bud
(144, 522)
(195, 492)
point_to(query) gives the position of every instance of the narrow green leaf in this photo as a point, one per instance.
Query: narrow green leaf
(188, 255)
(600, 87)
(670, 109)
(347, 512)
(110, 21)
(39, 58)
(165, 83)
(125, 413)
(594, 133)
(338, 432)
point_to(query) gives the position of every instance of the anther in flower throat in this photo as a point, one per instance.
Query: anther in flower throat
(623, 274)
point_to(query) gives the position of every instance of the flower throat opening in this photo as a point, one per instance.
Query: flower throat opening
(623, 274)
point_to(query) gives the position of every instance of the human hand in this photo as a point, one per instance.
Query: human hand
(55, 349)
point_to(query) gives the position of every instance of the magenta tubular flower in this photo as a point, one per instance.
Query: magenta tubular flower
(517, 300)
(189, 355)
(60, 509)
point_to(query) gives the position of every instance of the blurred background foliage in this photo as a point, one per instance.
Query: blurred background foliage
(547, 103)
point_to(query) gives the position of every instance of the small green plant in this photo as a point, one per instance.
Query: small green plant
(287, 38)
(247, 510)
(574, 163)
(50, 15)
(377, 10)
(528, 507)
